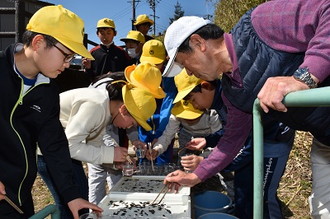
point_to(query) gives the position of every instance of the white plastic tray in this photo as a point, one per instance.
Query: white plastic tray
(119, 204)
(144, 185)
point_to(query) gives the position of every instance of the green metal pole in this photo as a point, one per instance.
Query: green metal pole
(319, 97)
(48, 210)
(308, 98)
(258, 167)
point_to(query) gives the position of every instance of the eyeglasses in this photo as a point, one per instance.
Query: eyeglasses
(113, 119)
(67, 57)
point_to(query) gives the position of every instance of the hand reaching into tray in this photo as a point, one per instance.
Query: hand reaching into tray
(179, 178)
(152, 154)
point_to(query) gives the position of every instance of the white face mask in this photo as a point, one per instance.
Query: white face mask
(131, 52)
(107, 45)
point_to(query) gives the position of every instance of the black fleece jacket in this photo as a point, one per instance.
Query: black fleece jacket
(27, 121)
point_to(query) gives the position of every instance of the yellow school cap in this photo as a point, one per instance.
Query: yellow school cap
(62, 24)
(143, 18)
(185, 84)
(153, 51)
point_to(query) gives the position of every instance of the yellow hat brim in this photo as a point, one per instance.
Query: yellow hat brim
(183, 111)
(182, 94)
(152, 60)
(144, 21)
(78, 48)
(156, 92)
(62, 24)
(132, 99)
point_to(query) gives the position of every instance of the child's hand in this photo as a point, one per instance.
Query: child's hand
(86, 63)
(190, 162)
(2, 191)
(139, 144)
(196, 144)
(77, 204)
(152, 154)
(120, 154)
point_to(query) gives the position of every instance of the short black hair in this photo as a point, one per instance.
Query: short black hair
(209, 31)
(198, 88)
(105, 28)
(29, 35)
(114, 86)
(143, 24)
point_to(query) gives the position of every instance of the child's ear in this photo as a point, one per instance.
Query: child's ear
(37, 41)
(207, 85)
(123, 110)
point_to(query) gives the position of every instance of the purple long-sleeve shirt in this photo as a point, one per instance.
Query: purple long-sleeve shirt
(297, 26)
(291, 26)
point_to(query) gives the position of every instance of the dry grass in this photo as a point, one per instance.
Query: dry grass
(294, 189)
(296, 183)
(41, 195)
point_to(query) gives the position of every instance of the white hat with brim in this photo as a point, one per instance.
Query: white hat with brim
(175, 35)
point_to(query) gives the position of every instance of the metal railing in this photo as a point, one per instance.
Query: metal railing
(319, 97)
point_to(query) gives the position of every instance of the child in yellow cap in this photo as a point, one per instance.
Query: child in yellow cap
(107, 55)
(189, 123)
(143, 24)
(153, 53)
(278, 140)
(103, 176)
(30, 114)
(85, 114)
(133, 45)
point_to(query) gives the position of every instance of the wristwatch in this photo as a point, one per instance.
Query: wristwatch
(303, 75)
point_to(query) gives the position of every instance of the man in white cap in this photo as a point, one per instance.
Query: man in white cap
(267, 41)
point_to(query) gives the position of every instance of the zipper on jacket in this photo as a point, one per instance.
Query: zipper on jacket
(20, 102)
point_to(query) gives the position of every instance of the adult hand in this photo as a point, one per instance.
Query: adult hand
(117, 166)
(196, 144)
(76, 204)
(274, 90)
(2, 191)
(190, 162)
(181, 178)
(86, 63)
(152, 154)
(120, 154)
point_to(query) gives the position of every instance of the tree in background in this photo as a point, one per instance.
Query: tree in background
(178, 12)
(228, 12)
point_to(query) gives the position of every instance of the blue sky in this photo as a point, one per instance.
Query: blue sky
(121, 12)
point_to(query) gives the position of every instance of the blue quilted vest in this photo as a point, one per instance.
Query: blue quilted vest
(257, 62)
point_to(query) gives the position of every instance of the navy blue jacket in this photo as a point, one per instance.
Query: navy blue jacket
(257, 62)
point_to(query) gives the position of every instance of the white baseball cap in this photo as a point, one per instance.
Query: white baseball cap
(175, 35)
